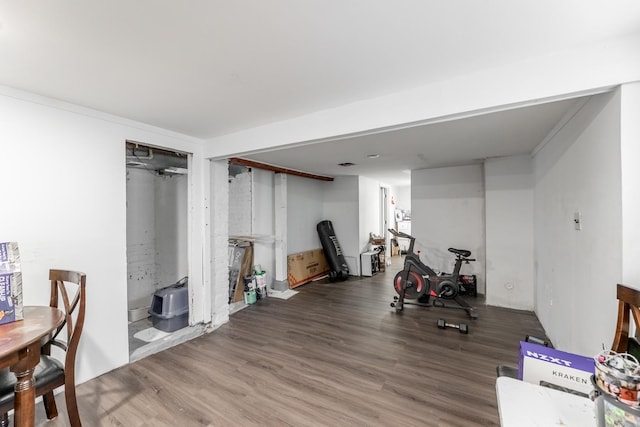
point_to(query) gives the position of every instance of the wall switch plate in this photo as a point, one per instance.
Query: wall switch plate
(577, 219)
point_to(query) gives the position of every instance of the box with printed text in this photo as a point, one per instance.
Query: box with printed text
(305, 266)
(10, 283)
(555, 369)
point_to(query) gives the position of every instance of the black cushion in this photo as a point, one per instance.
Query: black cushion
(48, 370)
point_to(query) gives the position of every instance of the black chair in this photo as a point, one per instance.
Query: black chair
(68, 294)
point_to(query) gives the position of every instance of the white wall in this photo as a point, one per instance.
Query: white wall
(65, 187)
(304, 211)
(509, 232)
(402, 197)
(630, 153)
(447, 211)
(369, 208)
(341, 203)
(576, 271)
(352, 204)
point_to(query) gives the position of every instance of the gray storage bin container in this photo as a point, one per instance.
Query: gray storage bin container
(170, 308)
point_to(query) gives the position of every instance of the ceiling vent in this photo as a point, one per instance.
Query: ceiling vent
(346, 164)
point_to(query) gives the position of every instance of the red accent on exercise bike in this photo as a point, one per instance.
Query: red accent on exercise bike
(415, 287)
(418, 281)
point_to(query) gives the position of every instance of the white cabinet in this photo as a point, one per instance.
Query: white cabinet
(369, 263)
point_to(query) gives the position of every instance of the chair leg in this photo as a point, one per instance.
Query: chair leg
(72, 404)
(50, 405)
(4, 420)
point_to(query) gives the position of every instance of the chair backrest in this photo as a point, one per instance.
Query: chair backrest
(628, 305)
(68, 294)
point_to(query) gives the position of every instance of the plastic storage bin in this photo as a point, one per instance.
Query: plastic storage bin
(170, 308)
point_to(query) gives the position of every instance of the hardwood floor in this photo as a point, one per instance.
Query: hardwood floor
(336, 354)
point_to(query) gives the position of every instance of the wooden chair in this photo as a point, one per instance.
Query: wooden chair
(628, 305)
(68, 290)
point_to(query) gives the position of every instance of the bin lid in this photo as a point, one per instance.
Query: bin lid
(170, 302)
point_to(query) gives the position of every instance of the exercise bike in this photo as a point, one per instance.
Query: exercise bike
(418, 281)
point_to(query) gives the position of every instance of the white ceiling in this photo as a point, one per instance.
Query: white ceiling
(450, 143)
(208, 68)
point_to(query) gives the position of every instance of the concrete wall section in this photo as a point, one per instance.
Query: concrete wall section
(157, 244)
(447, 210)
(263, 221)
(171, 208)
(576, 271)
(219, 242)
(509, 232)
(141, 237)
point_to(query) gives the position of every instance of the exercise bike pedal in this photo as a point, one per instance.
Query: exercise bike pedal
(462, 327)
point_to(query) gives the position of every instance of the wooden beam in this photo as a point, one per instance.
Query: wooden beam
(277, 169)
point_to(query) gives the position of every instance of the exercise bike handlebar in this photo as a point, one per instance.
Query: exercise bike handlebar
(400, 234)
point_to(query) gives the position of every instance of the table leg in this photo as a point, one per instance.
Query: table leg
(25, 392)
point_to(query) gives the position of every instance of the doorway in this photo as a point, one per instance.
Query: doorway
(157, 242)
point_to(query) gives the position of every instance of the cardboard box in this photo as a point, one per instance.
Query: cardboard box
(10, 283)
(306, 266)
(556, 369)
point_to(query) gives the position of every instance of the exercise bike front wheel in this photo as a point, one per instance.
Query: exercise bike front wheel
(414, 286)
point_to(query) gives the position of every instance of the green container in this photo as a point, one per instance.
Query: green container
(250, 297)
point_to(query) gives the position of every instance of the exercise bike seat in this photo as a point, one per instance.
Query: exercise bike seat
(462, 252)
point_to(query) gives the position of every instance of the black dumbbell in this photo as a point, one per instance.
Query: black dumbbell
(462, 327)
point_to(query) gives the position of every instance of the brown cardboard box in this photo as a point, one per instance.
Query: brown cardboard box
(306, 266)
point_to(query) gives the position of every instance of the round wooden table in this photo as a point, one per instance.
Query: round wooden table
(20, 343)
